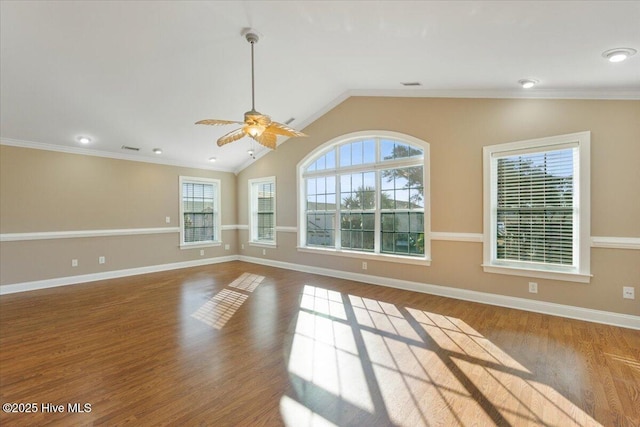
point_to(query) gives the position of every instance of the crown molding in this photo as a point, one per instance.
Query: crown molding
(629, 94)
(106, 154)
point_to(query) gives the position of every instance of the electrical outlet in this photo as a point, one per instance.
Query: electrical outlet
(201, 252)
(167, 219)
(364, 265)
(242, 246)
(74, 263)
(226, 247)
(533, 287)
(264, 252)
(628, 292)
(102, 260)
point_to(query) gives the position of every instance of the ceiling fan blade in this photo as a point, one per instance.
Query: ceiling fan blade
(284, 130)
(215, 122)
(267, 139)
(231, 136)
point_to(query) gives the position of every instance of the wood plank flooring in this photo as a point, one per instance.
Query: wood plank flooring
(238, 344)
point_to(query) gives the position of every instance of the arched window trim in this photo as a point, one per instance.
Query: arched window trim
(378, 165)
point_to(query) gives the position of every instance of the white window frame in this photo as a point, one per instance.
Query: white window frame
(253, 211)
(579, 271)
(424, 260)
(217, 224)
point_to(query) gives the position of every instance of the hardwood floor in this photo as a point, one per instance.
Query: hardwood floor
(239, 344)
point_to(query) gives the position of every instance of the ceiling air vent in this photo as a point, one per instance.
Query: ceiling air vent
(289, 121)
(411, 83)
(126, 147)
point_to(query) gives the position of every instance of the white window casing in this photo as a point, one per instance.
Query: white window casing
(537, 208)
(262, 211)
(200, 222)
(367, 196)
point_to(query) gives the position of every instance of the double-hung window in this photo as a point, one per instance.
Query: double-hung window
(199, 212)
(262, 219)
(536, 196)
(364, 195)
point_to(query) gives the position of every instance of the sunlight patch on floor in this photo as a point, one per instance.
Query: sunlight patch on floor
(296, 414)
(409, 367)
(217, 311)
(324, 352)
(323, 301)
(247, 282)
(456, 336)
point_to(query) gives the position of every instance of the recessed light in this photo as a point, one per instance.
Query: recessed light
(618, 54)
(528, 83)
(157, 150)
(212, 159)
(84, 140)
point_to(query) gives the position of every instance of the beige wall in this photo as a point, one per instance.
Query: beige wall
(456, 130)
(45, 191)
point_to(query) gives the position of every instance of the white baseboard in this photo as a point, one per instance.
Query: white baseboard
(589, 315)
(84, 278)
(572, 312)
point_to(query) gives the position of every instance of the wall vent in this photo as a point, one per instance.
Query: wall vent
(126, 147)
(411, 83)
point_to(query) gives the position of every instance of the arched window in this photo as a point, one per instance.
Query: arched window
(366, 194)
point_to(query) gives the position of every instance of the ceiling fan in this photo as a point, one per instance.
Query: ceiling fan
(257, 126)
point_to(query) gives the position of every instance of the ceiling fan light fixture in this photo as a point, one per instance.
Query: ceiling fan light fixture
(619, 54)
(254, 130)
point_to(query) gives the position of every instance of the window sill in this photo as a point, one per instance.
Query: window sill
(541, 274)
(263, 244)
(399, 259)
(198, 245)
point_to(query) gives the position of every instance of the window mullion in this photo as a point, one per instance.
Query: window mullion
(378, 221)
(337, 217)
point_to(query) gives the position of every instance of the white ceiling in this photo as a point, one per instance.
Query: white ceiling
(141, 73)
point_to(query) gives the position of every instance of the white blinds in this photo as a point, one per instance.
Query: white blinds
(536, 206)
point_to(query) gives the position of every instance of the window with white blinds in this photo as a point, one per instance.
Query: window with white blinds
(537, 201)
(199, 211)
(262, 215)
(535, 207)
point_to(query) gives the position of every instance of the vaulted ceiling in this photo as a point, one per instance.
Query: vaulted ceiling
(139, 74)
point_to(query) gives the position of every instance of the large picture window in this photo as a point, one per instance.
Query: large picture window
(199, 211)
(365, 195)
(537, 207)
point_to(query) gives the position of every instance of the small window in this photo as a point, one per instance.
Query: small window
(199, 211)
(262, 220)
(537, 208)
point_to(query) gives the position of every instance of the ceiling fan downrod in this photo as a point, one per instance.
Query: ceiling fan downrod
(252, 38)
